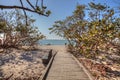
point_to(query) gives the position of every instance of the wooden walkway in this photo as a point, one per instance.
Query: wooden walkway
(64, 67)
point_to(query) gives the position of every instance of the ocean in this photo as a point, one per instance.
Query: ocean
(53, 42)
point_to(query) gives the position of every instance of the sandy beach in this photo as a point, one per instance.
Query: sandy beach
(54, 47)
(20, 64)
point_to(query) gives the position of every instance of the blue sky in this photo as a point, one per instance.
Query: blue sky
(60, 10)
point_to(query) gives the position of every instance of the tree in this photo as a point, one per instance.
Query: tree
(15, 29)
(89, 35)
(33, 7)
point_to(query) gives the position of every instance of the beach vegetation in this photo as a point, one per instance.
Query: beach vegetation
(93, 34)
(15, 31)
(90, 30)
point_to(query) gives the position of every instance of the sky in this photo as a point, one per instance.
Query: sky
(60, 10)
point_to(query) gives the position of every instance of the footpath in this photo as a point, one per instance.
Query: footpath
(65, 67)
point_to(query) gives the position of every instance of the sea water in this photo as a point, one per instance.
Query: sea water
(53, 42)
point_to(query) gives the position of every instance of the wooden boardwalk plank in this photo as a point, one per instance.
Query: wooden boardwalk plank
(64, 67)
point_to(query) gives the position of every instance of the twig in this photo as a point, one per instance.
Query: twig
(42, 4)
(23, 8)
(36, 3)
(24, 12)
(9, 77)
(30, 4)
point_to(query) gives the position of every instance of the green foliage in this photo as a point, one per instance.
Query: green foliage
(17, 33)
(48, 12)
(42, 10)
(91, 34)
(97, 6)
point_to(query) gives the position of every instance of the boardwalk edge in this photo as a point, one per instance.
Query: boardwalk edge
(85, 70)
(44, 75)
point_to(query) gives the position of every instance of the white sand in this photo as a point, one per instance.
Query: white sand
(25, 64)
(54, 47)
(21, 64)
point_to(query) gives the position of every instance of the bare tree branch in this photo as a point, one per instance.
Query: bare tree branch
(36, 3)
(23, 8)
(24, 12)
(30, 4)
(42, 3)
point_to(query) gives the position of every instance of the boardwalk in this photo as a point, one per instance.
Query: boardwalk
(64, 67)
